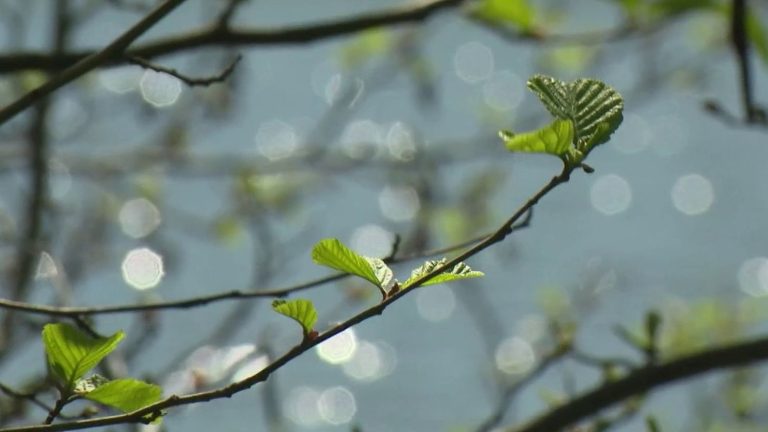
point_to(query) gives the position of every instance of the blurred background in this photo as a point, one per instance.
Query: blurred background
(157, 190)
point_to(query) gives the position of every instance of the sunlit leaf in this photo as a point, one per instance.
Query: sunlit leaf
(594, 107)
(71, 353)
(555, 138)
(300, 310)
(518, 13)
(458, 272)
(126, 394)
(334, 254)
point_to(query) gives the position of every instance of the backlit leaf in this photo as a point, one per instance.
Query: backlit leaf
(300, 310)
(71, 353)
(555, 138)
(126, 394)
(334, 254)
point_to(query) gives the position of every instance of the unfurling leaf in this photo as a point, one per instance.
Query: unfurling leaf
(555, 139)
(594, 107)
(300, 310)
(71, 353)
(383, 274)
(334, 254)
(125, 394)
(458, 272)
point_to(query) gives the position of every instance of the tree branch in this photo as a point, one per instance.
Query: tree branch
(646, 379)
(229, 295)
(156, 409)
(188, 80)
(219, 35)
(87, 63)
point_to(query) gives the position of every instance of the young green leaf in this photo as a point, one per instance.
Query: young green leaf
(334, 254)
(300, 310)
(71, 353)
(125, 394)
(555, 138)
(458, 272)
(594, 107)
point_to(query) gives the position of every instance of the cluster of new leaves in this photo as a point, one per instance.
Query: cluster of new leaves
(586, 111)
(334, 254)
(71, 354)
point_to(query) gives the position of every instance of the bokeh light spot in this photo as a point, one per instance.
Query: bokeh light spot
(338, 349)
(399, 203)
(473, 62)
(635, 136)
(46, 267)
(753, 276)
(301, 406)
(692, 194)
(371, 361)
(276, 139)
(514, 356)
(372, 240)
(610, 194)
(337, 405)
(120, 80)
(435, 303)
(142, 268)
(361, 139)
(400, 142)
(159, 89)
(139, 218)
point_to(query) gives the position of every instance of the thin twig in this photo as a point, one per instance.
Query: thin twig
(26, 396)
(114, 50)
(188, 80)
(217, 35)
(511, 391)
(70, 311)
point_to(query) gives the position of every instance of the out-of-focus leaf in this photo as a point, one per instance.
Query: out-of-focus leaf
(364, 46)
(228, 229)
(757, 35)
(300, 310)
(71, 353)
(334, 254)
(458, 272)
(518, 13)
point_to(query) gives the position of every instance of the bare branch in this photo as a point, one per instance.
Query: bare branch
(190, 81)
(229, 295)
(647, 379)
(218, 35)
(86, 64)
